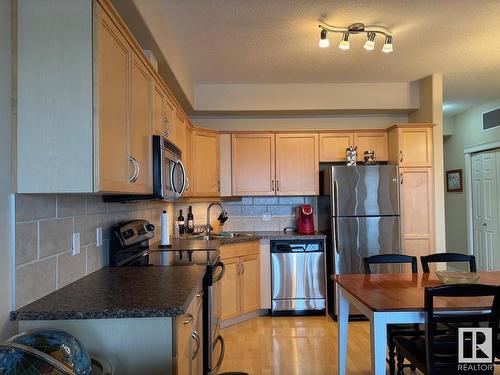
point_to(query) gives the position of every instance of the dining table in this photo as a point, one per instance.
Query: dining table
(394, 298)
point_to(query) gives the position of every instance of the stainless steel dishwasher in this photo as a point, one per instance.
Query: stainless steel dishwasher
(298, 277)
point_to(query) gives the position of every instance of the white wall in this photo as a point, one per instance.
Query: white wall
(431, 110)
(300, 122)
(466, 132)
(6, 328)
(356, 97)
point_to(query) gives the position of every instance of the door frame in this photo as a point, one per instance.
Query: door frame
(468, 151)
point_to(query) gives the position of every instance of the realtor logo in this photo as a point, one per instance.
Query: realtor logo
(475, 345)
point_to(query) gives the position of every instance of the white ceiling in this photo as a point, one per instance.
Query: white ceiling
(276, 41)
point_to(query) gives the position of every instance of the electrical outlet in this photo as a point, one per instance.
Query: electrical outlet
(98, 236)
(76, 243)
(267, 216)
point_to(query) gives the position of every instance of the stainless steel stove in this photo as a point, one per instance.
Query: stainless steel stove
(130, 247)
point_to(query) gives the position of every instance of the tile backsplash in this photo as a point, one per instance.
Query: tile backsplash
(247, 214)
(44, 228)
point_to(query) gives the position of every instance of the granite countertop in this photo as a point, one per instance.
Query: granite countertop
(198, 244)
(126, 292)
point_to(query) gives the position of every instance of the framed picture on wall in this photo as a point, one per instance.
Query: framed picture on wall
(454, 181)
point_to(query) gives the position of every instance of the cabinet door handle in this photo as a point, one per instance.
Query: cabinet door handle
(272, 185)
(196, 338)
(277, 185)
(242, 268)
(401, 178)
(218, 184)
(135, 175)
(400, 156)
(189, 319)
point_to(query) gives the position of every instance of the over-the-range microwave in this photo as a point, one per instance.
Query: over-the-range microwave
(169, 174)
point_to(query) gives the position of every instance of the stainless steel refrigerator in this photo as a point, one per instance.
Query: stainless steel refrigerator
(358, 209)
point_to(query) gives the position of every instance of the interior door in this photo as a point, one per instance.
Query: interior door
(485, 209)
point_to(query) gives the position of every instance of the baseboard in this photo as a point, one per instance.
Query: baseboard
(243, 318)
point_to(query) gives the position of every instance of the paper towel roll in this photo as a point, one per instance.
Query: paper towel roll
(165, 235)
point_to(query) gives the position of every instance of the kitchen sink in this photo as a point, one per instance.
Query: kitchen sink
(218, 236)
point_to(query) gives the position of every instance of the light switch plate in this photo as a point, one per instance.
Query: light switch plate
(267, 216)
(98, 236)
(76, 244)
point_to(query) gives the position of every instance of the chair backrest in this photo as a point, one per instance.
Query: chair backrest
(390, 258)
(448, 257)
(442, 350)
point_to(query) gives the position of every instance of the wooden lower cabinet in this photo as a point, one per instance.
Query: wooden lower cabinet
(250, 283)
(231, 289)
(240, 286)
(189, 356)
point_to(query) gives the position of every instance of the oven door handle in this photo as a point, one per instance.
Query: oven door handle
(222, 352)
(218, 277)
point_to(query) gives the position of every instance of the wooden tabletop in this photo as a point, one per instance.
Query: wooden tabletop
(405, 291)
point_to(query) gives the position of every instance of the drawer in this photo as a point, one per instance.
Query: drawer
(240, 249)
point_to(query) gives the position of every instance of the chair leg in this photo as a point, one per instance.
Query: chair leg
(392, 357)
(401, 360)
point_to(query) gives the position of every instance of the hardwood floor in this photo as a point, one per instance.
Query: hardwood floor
(294, 346)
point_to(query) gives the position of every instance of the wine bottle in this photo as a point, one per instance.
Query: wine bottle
(190, 219)
(180, 223)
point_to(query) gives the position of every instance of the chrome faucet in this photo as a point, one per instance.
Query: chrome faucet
(222, 217)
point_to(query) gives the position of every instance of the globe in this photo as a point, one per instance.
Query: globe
(14, 361)
(58, 344)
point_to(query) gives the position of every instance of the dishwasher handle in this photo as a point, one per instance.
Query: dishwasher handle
(294, 249)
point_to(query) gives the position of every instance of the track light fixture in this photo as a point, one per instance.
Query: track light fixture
(344, 43)
(370, 42)
(323, 40)
(356, 28)
(387, 48)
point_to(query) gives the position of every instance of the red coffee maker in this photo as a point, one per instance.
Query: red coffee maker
(305, 219)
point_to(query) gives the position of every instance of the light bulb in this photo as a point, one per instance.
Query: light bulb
(323, 40)
(387, 48)
(344, 43)
(370, 42)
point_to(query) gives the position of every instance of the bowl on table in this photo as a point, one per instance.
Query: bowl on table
(449, 277)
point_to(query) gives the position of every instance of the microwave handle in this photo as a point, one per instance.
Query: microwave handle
(183, 169)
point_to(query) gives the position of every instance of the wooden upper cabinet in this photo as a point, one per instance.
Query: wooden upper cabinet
(180, 132)
(205, 177)
(187, 159)
(332, 146)
(140, 126)
(113, 65)
(159, 118)
(371, 140)
(411, 145)
(297, 164)
(253, 161)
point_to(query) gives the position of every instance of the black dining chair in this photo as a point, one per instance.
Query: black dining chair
(394, 330)
(448, 258)
(437, 353)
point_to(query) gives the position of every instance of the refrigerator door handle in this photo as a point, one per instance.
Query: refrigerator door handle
(335, 224)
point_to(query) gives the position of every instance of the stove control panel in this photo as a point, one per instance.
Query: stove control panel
(134, 232)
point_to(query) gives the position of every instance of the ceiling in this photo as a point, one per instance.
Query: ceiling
(264, 41)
